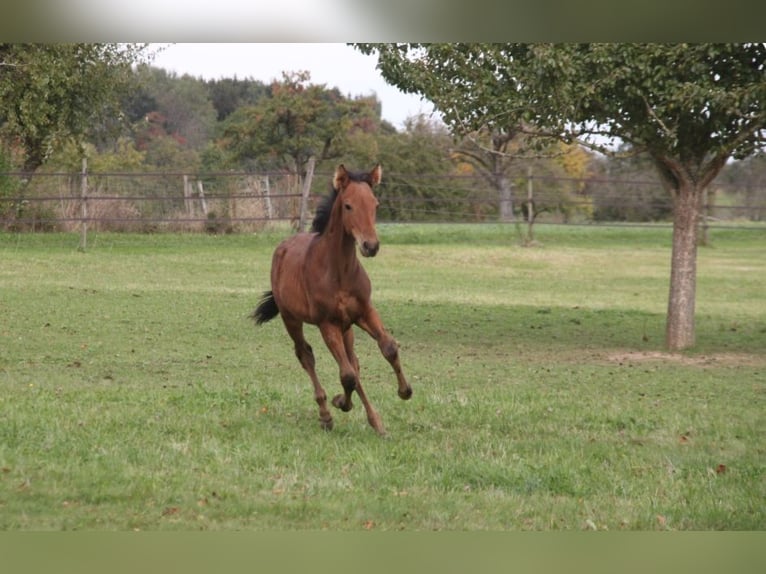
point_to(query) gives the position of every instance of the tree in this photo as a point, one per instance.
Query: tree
(51, 93)
(8, 185)
(297, 122)
(412, 158)
(164, 149)
(688, 107)
(490, 155)
(500, 156)
(228, 94)
(184, 104)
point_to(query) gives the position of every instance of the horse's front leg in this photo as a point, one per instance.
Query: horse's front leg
(343, 402)
(341, 345)
(373, 325)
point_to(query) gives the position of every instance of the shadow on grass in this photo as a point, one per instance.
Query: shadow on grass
(559, 329)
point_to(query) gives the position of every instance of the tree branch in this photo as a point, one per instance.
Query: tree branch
(656, 118)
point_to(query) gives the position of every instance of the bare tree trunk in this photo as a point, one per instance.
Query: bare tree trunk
(506, 197)
(530, 207)
(683, 269)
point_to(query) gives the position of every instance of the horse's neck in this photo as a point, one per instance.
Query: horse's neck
(338, 249)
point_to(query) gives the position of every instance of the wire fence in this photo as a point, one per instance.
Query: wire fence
(243, 202)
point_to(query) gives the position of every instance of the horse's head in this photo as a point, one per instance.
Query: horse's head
(358, 206)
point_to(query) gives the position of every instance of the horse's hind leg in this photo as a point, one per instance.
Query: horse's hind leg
(372, 416)
(306, 357)
(341, 345)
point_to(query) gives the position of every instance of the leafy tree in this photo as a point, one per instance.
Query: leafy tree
(359, 146)
(299, 121)
(164, 149)
(50, 93)
(490, 153)
(9, 185)
(138, 102)
(228, 94)
(418, 180)
(123, 157)
(559, 182)
(183, 103)
(689, 107)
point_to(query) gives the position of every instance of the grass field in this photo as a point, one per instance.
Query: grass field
(135, 394)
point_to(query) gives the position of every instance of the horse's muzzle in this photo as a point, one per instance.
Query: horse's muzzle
(369, 248)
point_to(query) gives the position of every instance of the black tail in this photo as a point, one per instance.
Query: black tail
(266, 310)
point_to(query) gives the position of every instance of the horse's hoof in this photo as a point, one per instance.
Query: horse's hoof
(406, 393)
(326, 425)
(339, 401)
(378, 426)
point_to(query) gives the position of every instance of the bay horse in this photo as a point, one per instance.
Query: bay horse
(316, 278)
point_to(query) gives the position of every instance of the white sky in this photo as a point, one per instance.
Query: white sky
(335, 65)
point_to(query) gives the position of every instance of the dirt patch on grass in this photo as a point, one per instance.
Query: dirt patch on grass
(707, 360)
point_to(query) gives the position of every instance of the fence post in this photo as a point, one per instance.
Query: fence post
(267, 196)
(84, 205)
(187, 196)
(202, 201)
(232, 202)
(305, 194)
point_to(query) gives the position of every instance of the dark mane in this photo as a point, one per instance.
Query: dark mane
(324, 209)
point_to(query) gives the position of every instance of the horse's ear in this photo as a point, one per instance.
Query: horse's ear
(340, 179)
(376, 174)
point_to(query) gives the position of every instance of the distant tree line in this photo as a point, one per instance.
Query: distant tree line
(106, 102)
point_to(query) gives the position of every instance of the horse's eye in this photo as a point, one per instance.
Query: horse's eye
(347, 206)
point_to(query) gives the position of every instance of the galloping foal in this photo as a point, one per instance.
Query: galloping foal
(316, 278)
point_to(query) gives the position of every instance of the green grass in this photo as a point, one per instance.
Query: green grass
(136, 394)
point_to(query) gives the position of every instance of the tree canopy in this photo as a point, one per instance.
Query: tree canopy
(297, 121)
(52, 92)
(689, 107)
(702, 103)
